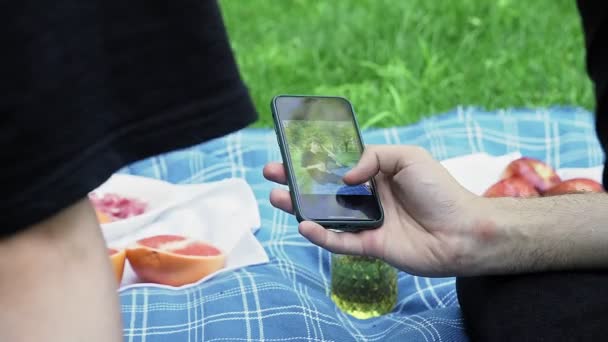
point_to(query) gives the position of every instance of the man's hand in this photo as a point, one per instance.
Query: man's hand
(435, 227)
(56, 282)
(428, 215)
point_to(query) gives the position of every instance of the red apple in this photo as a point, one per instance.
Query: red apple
(575, 185)
(511, 187)
(533, 171)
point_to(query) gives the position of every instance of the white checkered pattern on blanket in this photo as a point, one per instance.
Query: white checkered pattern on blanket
(287, 299)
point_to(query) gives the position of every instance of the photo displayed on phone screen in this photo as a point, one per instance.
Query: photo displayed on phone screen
(323, 145)
(322, 152)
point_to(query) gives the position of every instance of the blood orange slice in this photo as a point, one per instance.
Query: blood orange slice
(174, 260)
(118, 262)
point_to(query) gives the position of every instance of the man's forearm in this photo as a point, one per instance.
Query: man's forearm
(541, 234)
(56, 282)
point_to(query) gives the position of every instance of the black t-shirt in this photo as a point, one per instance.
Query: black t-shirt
(594, 18)
(88, 86)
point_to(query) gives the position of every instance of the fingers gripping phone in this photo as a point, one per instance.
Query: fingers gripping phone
(320, 141)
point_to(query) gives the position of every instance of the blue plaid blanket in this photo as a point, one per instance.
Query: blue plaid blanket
(287, 299)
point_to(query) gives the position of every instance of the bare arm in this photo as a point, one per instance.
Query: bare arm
(56, 282)
(434, 227)
(541, 234)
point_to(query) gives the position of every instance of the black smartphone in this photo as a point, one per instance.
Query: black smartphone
(320, 141)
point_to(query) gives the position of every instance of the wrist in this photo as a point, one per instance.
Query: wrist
(495, 238)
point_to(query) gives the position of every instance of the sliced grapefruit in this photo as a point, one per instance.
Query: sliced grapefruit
(118, 262)
(117, 207)
(174, 260)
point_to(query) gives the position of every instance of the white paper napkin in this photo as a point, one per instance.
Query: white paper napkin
(477, 172)
(224, 214)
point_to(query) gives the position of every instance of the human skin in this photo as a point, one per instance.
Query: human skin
(434, 227)
(56, 281)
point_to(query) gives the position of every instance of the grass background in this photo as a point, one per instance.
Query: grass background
(401, 60)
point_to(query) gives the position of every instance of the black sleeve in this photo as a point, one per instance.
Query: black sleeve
(88, 86)
(594, 19)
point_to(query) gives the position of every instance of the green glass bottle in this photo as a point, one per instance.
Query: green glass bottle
(363, 287)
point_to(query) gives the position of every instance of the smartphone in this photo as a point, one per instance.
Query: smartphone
(320, 141)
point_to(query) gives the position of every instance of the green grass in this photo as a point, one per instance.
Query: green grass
(401, 60)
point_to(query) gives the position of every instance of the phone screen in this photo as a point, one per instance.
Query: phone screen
(323, 144)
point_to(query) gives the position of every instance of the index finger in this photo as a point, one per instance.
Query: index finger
(275, 172)
(360, 243)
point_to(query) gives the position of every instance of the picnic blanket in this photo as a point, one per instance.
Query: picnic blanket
(287, 298)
